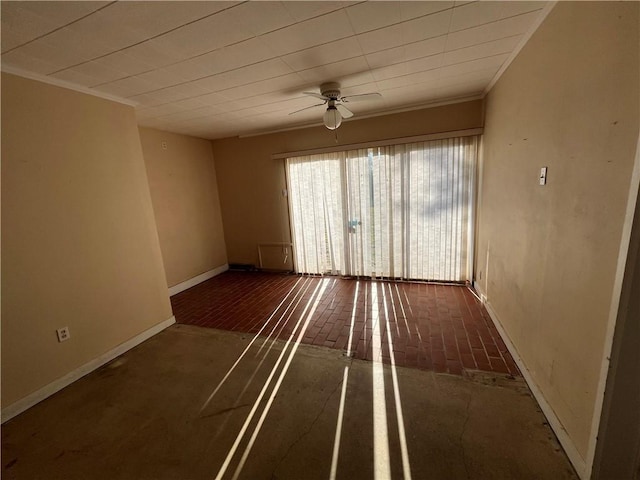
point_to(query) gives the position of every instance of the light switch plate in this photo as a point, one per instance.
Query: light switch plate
(543, 176)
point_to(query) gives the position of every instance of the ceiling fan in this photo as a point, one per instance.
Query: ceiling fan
(336, 110)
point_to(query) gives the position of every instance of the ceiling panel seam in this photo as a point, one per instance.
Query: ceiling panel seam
(146, 39)
(291, 53)
(59, 28)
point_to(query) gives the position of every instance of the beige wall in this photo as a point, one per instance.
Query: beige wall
(254, 210)
(184, 192)
(547, 256)
(79, 242)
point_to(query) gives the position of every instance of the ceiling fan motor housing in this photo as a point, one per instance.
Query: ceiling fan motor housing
(330, 90)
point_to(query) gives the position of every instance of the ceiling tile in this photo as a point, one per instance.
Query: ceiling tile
(226, 107)
(11, 38)
(244, 75)
(122, 62)
(212, 98)
(474, 14)
(216, 31)
(277, 102)
(336, 70)
(466, 67)
(98, 70)
(107, 26)
(247, 52)
(387, 57)
(201, 66)
(323, 54)
(382, 39)
(480, 13)
(483, 75)
(429, 76)
(504, 45)
(510, 9)
(492, 31)
(41, 52)
(405, 68)
(60, 13)
(138, 21)
(356, 79)
(407, 52)
(368, 16)
(150, 99)
(127, 87)
(152, 53)
(301, 11)
(19, 25)
(25, 21)
(162, 78)
(403, 98)
(277, 84)
(425, 48)
(22, 60)
(189, 103)
(310, 33)
(409, 31)
(413, 9)
(262, 17)
(224, 59)
(170, 94)
(395, 70)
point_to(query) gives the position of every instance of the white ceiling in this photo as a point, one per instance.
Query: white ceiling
(219, 69)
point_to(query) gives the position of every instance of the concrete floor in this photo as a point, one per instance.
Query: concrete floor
(150, 414)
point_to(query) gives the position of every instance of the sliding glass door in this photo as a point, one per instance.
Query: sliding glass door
(401, 211)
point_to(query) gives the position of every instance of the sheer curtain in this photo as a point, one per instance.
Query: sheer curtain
(316, 207)
(399, 211)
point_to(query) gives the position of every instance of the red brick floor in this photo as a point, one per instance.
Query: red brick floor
(432, 326)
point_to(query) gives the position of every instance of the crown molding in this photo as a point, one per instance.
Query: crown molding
(64, 84)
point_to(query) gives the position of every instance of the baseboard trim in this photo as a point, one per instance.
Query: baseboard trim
(30, 400)
(554, 422)
(181, 287)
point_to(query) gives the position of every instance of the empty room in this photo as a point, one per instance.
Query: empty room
(320, 240)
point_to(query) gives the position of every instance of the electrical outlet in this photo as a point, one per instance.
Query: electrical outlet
(163, 145)
(63, 334)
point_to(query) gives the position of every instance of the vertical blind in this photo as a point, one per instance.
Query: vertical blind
(399, 211)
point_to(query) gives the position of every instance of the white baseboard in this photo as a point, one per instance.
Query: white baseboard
(30, 400)
(196, 280)
(565, 440)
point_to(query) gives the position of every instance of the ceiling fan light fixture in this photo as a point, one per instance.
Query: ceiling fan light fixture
(332, 118)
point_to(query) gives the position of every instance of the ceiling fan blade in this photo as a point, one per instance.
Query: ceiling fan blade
(362, 97)
(344, 111)
(317, 95)
(307, 108)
